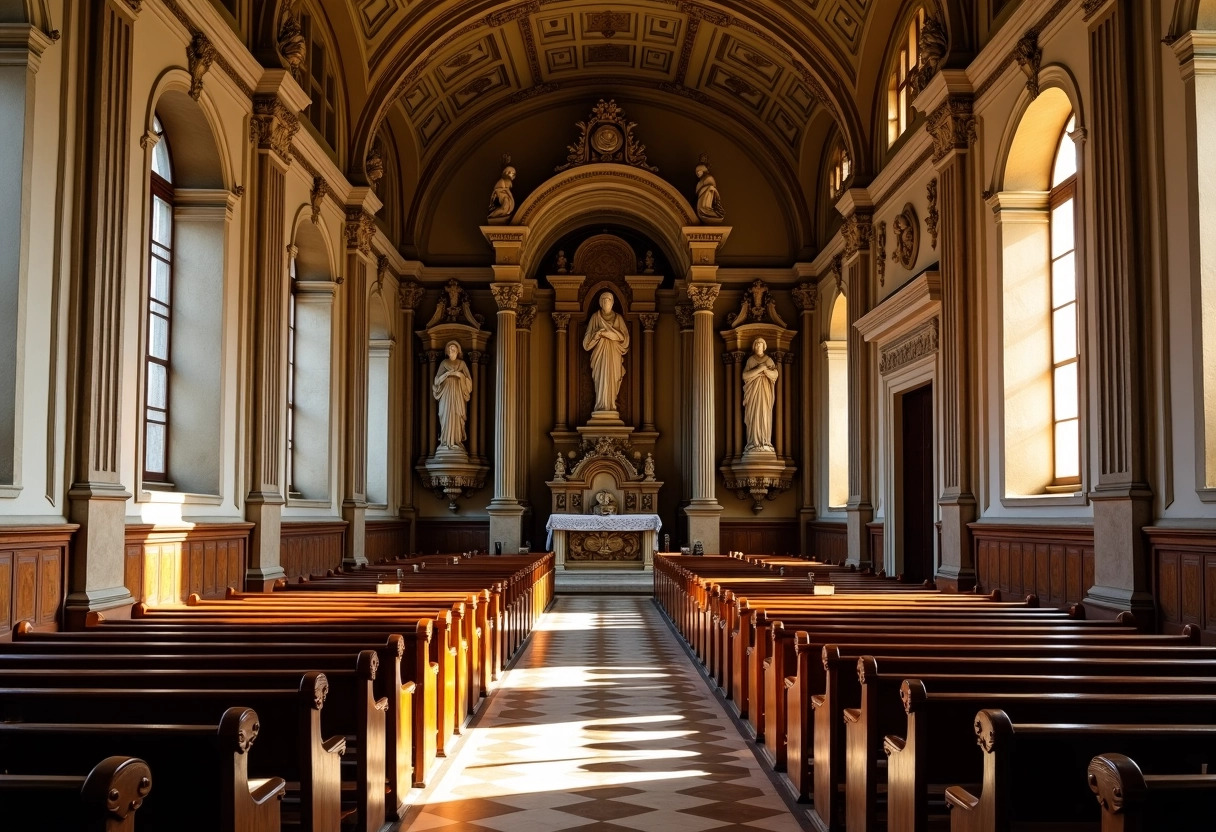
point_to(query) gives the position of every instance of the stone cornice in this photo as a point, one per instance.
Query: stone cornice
(22, 45)
(903, 311)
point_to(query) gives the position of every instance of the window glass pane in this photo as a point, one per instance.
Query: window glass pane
(1066, 156)
(158, 385)
(1064, 280)
(1068, 449)
(158, 289)
(161, 164)
(1066, 391)
(158, 337)
(162, 222)
(1062, 229)
(1064, 333)
(154, 449)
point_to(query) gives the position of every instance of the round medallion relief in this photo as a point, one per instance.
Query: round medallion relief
(606, 139)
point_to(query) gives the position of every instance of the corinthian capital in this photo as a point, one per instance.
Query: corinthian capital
(561, 320)
(410, 295)
(858, 231)
(703, 297)
(525, 316)
(360, 229)
(273, 125)
(506, 295)
(649, 321)
(952, 126)
(806, 297)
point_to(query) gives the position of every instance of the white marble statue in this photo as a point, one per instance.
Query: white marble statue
(452, 387)
(607, 339)
(502, 202)
(709, 201)
(759, 392)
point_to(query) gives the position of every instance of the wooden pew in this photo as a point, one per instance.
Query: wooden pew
(104, 800)
(1042, 776)
(202, 776)
(292, 746)
(1132, 801)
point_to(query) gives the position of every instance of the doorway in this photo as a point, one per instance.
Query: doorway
(916, 495)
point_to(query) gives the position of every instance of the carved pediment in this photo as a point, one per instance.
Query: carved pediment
(606, 137)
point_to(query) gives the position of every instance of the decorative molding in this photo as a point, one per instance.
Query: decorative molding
(857, 232)
(838, 273)
(759, 306)
(374, 166)
(934, 43)
(684, 314)
(880, 250)
(920, 342)
(273, 126)
(806, 296)
(606, 137)
(454, 307)
(292, 46)
(1092, 7)
(703, 296)
(200, 54)
(931, 217)
(506, 295)
(320, 189)
(561, 320)
(952, 126)
(907, 237)
(525, 316)
(360, 229)
(649, 321)
(409, 295)
(1029, 56)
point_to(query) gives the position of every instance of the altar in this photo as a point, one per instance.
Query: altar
(590, 541)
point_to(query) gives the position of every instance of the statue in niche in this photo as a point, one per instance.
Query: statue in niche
(648, 263)
(759, 392)
(709, 201)
(607, 339)
(502, 203)
(563, 265)
(605, 503)
(452, 388)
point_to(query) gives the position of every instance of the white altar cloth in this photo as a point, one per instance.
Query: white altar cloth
(602, 523)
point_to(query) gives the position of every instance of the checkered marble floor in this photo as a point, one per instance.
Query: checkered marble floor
(603, 725)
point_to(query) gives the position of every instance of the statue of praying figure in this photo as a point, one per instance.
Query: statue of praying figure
(759, 392)
(452, 388)
(607, 339)
(502, 202)
(709, 201)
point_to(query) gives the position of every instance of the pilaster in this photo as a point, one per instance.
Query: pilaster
(951, 123)
(409, 295)
(525, 317)
(561, 322)
(97, 498)
(649, 321)
(275, 121)
(1121, 496)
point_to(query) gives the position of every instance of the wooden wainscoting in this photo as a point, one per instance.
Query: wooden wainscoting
(1054, 562)
(828, 541)
(165, 564)
(386, 539)
(33, 575)
(1184, 578)
(875, 530)
(453, 536)
(311, 547)
(759, 537)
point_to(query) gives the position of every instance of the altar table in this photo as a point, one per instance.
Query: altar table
(612, 541)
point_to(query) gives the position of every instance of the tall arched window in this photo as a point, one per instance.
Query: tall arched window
(1062, 200)
(320, 82)
(292, 491)
(840, 171)
(836, 350)
(159, 312)
(899, 85)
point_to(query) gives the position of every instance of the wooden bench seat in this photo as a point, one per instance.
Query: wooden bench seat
(1132, 801)
(104, 800)
(202, 774)
(1035, 774)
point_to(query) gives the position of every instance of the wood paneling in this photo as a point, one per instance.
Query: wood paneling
(875, 530)
(1184, 579)
(310, 548)
(453, 536)
(386, 539)
(759, 537)
(164, 565)
(829, 542)
(1054, 562)
(33, 575)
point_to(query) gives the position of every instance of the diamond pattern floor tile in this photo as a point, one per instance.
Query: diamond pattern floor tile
(602, 725)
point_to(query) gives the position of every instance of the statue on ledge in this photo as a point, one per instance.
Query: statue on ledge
(759, 393)
(502, 202)
(452, 388)
(607, 339)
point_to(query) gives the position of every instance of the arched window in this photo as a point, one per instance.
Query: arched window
(900, 83)
(379, 389)
(1041, 295)
(841, 170)
(836, 349)
(320, 82)
(310, 369)
(1065, 350)
(291, 377)
(160, 313)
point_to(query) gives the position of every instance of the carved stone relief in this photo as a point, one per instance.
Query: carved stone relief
(906, 228)
(921, 342)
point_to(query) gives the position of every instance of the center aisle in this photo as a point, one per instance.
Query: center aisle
(603, 724)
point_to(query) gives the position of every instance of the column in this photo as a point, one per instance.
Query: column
(428, 402)
(561, 320)
(524, 318)
(952, 126)
(1121, 497)
(409, 296)
(703, 510)
(483, 361)
(684, 320)
(806, 298)
(738, 360)
(779, 396)
(649, 321)
(857, 231)
(505, 510)
(360, 262)
(474, 429)
(787, 405)
(731, 416)
(97, 498)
